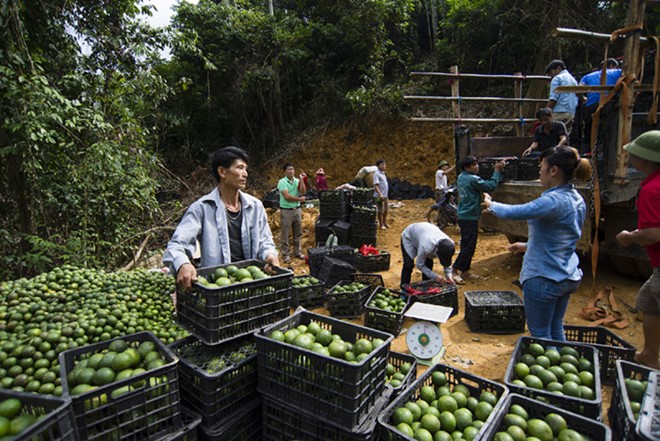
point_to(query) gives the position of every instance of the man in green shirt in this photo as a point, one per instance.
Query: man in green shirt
(291, 189)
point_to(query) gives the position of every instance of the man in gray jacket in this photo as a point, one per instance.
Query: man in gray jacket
(420, 244)
(229, 224)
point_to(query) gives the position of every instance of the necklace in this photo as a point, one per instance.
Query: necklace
(236, 215)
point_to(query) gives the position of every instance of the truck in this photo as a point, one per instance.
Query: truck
(611, 193)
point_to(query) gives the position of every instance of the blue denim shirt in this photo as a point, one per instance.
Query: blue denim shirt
(565, 102)
(206, 221)
(555, 222)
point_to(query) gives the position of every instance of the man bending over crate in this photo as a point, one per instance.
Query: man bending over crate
(421, 243)
(229, 224)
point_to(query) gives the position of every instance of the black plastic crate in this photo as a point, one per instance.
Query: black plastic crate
(231, 385)
(345, 253)
(364, 229)
(397, 359)
(308, 296)
(588, 408)
(364, 215)
(244, 426)
(282, 423)
(362, 196)
(622, 419)
(375, 280)
(316, 256)
(487, 167)
(383, 320)
(342, 391)
(54, 418)
(476, 385)
(593, 429)
(145, 406)
(435, 293)
(333, 197)
(527, 169)
(333, 270)
(191, 422)
(494, 312)
(335, 212)
(610, 347)
(648, 425)
(342, 230)
(322, 229)
(347, 305)
(357, 240)
(372, 263)
(215, 315)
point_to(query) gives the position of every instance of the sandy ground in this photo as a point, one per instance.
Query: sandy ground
(483, 354)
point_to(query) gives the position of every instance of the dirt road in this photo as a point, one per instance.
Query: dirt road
(483, 354)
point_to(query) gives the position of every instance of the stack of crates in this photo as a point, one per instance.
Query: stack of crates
(311, 395)
(143, 404)
(219, 382)
(333, 205)
(363, 225)
(622, 415)
(218, 362)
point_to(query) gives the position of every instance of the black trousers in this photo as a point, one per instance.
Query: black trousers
(469, 234)
(409, 264)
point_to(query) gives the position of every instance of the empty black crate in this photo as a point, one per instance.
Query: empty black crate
(610, 347)
(322, 229)
(357, 240)
(215, 315)
(145, 406)
(53, 417)
(536, 409)
(345, 253)
(648, 426)
(372, 262)
(363, 215)
(333, 270)
(435, 293)
(339, 390)
(281, 422)
(243, 426)
(387, 321)
(316, 256)
(217, 380)
(397, 360)
(342, 230)
(362, 196)
(347, 304)
(476, 385)
(591, 408)
(622, 418)
(308, 292)
(364, 229)
(494, 312)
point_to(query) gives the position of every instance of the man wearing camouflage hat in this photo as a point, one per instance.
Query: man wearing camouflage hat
(645, 156)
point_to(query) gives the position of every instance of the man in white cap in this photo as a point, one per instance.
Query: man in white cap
(645, 156)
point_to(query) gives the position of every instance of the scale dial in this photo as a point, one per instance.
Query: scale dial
(424, 340)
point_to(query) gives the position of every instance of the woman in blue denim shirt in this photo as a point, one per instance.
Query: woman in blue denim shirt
(550, 272)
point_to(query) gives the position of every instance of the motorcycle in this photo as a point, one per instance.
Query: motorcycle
(445, 211)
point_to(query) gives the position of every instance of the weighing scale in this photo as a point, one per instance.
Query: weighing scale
(424, 338)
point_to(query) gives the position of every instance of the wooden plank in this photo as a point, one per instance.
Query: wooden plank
(481, 120)
(491, 76)
(472, 98)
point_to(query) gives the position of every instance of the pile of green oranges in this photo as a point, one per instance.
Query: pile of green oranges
(444, 413)
(394, 375)
(562, 371)
(318, 339)
(70, 307)
(387, 301)
(520, 427)
(230, 274)
(119, 361)
(13, 420)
